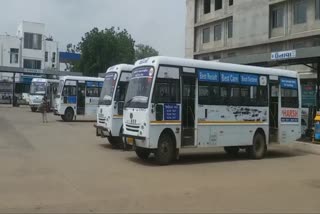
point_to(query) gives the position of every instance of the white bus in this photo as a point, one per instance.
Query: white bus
(110, 110)
(78, 97)
(39, 88)
(175, 105)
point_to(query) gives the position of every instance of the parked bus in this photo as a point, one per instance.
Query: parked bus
(39, 88)
(110, 110)
(175, 105)
(78, 97)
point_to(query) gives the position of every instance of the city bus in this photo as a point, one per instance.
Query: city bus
(176, 105)
(78, 98)
(39, 88)
(110, 109)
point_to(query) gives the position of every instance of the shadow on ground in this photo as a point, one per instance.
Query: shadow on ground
(218, 157)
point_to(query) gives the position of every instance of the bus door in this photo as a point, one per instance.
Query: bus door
(289, 110)
(188, 109)
(81, 98)
(274, 110)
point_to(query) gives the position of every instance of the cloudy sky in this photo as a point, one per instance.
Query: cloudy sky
(159, 23)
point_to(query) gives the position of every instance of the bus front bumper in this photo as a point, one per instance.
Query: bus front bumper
(102, 131)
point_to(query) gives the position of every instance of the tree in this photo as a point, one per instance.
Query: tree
(101, 49)
(144, 51)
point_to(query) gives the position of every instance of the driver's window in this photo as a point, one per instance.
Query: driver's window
(167, 87)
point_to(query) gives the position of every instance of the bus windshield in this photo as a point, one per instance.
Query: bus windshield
(139, 88)
(38, 88)
(109, 84)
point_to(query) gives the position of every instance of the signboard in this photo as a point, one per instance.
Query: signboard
(171, 112)
(229, 77)
(283, 55)
(93, 84)
(289, 115)
(289, 83)
(308, 92)
(142, 72)
(249, 79)
(208, 76)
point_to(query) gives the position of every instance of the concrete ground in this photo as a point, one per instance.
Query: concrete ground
(62, 167)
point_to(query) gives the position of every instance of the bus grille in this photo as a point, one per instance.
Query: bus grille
(132, 128)
(102, 120)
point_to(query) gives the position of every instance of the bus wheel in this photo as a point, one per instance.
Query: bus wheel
(33, 109)
(142, 153)
(234, 150)
(68, 115)
(165, 152)
(259, 147)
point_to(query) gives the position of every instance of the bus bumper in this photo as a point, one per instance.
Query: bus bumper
(55, 112)
(102, 131)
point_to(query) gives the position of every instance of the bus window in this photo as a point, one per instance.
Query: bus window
(92, 92)
(167, 87)
(289, 98)
(69, 91)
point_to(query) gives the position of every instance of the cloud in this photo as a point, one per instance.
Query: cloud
(159, 23)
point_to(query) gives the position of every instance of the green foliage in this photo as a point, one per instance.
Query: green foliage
(144, 51)
(101, 49)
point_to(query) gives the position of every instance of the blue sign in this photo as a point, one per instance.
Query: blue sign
(289, 120)
(141, 72)
(228, 77)
(94, 84)
(100, 84)
(111, 76)
(288, 83)
(208, 76)
(171, 112)
(72, 99)
(249, 79)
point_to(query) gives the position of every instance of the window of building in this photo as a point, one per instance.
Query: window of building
(206, 35)
(32, 41)
(230, 2)
(216, 56)
(299, 11)
(54, 57)
(317, 8)
(14, 55)
(206, 58)
(31, 64)
(230, 28)
(218, 4)
(206, 6)
(277, 15)
(217, 32)
(46, 56)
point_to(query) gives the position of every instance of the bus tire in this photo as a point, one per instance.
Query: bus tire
(142, 153)
(165, 152)
(259, 147)
(232, 150)
(68, 115)
(33, 109)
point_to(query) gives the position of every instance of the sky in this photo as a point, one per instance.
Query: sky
(158, 23)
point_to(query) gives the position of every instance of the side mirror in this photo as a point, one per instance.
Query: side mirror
(120, 108)
(159, 112)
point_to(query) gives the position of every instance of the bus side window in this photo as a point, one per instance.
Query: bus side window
(289, 98)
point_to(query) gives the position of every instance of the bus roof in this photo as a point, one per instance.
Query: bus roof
(212, 65)
(44, 80)
(120, 67)
(81, 78)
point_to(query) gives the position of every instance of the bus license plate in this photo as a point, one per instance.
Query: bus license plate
(130, 140)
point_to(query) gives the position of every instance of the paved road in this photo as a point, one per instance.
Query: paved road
(63, 167)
